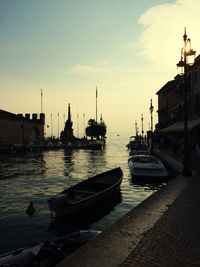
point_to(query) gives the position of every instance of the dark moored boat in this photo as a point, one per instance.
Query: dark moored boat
(86, 194)
(48, 253)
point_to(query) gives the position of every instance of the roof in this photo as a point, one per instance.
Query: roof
(179, 126)
(168, 86)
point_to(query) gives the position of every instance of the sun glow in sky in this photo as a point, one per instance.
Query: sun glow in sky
(127, 49)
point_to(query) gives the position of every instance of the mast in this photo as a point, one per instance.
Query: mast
(84, 124)
(96, 103)
(41, 99)
(51, 126)
(58, 127)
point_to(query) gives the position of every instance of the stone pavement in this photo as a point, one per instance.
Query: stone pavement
(175, 239)
(164, 230)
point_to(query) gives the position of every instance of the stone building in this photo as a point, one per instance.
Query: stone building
(19, 129)
(171, 108)
(171, 101)
(195, 85)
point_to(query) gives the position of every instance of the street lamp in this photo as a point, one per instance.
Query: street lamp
(142, 119)
(186, 53)
(151, 112)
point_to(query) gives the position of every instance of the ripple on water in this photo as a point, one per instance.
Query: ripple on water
(37, 176)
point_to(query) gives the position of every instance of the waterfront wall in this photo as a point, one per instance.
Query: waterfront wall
(21, 129)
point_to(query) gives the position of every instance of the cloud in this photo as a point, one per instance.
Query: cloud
(161, 40)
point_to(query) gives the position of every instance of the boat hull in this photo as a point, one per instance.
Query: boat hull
(47, 253)
(143, 169)
(86, 195)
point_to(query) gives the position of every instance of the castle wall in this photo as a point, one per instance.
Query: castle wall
(19, 129)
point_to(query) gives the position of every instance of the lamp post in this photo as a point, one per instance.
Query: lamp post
(183, 64)
(151, 112)
(142, 119)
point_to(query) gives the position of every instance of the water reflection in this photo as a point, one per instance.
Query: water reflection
(40, 175)
(95, 161)
(68, 161)
(86, 218)
(14, 166)
(150, 183)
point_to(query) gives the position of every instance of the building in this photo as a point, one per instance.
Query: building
(171, 106)
(195, 85)
(19, 129)
(170, 103)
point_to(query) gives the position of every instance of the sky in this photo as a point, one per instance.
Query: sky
(126, 49)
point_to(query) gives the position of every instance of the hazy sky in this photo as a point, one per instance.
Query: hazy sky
(128, 49)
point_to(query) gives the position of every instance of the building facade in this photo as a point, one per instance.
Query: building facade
(171, 107)
(19, 129)
(171, 99)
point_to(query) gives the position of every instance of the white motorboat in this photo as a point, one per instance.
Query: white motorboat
(146, 166)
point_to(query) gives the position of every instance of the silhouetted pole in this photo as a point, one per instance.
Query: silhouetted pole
(51, 126)
(142, 119)
(84, 124)
(77, 125)
(96, 103)
(58, 126)
(136, 128)
(186, 51)
(151, 112)
(41, 101)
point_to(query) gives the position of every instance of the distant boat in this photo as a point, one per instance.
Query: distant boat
(137, 145)
(47, 253)
(86, 194)
(96, 129)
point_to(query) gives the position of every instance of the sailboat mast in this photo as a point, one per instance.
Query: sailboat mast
(96, 103)
(41, 99)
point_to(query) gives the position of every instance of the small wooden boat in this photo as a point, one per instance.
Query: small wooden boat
(86, 194)
(146, 166)
(48, 253)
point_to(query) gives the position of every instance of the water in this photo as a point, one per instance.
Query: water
(36, 176)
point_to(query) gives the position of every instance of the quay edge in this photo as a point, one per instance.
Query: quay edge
(114, 245)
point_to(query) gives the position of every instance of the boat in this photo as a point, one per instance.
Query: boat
(137, 145)
(141, 165)
(47, 253)
(73, 201)
(95, 129)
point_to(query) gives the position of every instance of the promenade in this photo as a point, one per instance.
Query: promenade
(164, 230)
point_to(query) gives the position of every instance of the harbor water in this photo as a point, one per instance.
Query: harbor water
(36, 176)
